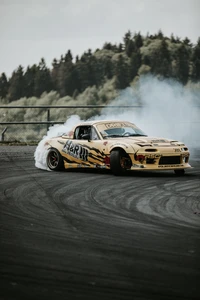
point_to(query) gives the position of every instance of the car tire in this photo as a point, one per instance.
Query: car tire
(55, 160)
(119, 162)
(179, 172)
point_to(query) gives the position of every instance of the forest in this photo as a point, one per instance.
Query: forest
(164, 57)
(97, 78)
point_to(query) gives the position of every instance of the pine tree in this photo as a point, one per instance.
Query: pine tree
(138, 40)
(95, 71)
(160, 35)
(130, 48)
(29, 80)
(68, 56)
(83, 75)
(135, 64)
(172, 38)
(196, 62)
(67, 76)
(120, 48)
(187, 42)
(127, 37)
(43, 81)
(4, 85)
(108, 68)
(16, 85)
(182, 64)
(161, 60)
(107, 46)
(122, 74)
(54, 74)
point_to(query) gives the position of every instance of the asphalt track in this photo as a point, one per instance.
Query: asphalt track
(91, 235)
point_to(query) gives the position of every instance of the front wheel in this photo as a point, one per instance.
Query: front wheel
(119, 162)
(55, 160)
(179, 172)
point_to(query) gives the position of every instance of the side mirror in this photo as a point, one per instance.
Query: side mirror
(86, 136)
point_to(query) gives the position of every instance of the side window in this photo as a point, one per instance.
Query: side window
(81, 131)
(94, 135)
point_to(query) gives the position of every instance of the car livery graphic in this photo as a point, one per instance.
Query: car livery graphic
(116, 145)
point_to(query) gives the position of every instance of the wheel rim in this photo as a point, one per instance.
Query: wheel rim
(125, 163)
(53, 159)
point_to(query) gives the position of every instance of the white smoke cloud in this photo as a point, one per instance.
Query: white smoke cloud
(162, 108)
(56, 130)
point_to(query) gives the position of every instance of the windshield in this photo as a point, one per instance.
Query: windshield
(122, 132)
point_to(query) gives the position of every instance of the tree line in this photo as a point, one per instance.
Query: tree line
(136, 55)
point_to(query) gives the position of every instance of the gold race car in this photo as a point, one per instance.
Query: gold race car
(115, 145)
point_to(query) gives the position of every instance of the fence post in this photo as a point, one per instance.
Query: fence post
(48, 118)
(3, 133)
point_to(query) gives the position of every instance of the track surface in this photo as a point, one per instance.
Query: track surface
(91, 235)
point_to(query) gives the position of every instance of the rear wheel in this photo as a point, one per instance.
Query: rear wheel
(180, 172)
(55, 160)
(119, 162)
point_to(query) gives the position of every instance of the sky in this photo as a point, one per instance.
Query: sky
(30, 30)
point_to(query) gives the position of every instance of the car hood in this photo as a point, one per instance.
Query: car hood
(149, 141)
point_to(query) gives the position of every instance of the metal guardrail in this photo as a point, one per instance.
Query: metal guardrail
(70, 106)
(27, 123)
(48, 121)
(48, 107)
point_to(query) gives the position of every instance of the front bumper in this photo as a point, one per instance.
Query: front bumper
(165, 160)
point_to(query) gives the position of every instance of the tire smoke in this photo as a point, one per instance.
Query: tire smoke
(162, 108)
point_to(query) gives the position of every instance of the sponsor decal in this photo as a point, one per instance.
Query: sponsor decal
(158, 141)
(75, 150)
(170, 166)
(116, 125)
(152, 155)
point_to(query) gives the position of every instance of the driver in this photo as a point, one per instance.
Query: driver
(85, 130)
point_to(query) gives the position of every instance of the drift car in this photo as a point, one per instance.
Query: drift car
(115, 145)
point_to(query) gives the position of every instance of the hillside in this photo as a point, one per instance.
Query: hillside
(113, 72)
(165, 57)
